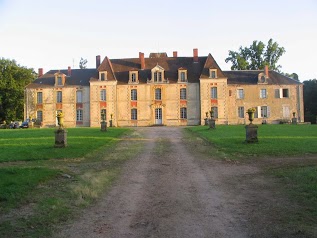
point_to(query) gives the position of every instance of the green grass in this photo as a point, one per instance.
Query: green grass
(38, 144)
(274, 140)
(301, 186)
(16, 183)
(35, 197)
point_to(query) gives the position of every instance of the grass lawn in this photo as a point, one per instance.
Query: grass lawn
(48, 185)
(274, 140)
(38, 144)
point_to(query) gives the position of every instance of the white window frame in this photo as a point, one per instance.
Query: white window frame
(263, 93)
(79, 96)
(183, 112)
(239, 94)
(59, 81)
(264, 111)
(59, 97)
(213, 73)
(158, 94)
(79, 115)
(134, 114)
(134, 95)
(241, 112)
(214, 93)
(103, 95)
(39, 97)
(183, 93)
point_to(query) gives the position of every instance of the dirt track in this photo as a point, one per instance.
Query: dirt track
(172, 190)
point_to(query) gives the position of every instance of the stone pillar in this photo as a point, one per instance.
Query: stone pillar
(103, 126)
(294, 121)
(212, 123)
(251, 133)
(60, 138)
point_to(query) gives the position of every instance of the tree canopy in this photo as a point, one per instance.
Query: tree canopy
(13, 79)
(310, 100)
(83, 63)
(256, 56)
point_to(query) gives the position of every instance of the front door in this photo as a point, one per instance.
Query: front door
(158, 116)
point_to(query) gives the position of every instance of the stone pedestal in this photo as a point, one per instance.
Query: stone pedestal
(60, 138)
(294, 121)
(212, 124)
(206, 121)
(251, 133)
(103, 126)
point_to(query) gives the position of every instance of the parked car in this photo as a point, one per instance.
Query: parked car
(24, 124)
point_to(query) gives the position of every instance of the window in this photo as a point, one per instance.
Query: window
(285, 93)
(103, 114)
(240, 94)
(59, 96)
(183, 77)
(102, 75)
(183, 93)
(212, 73)
(39, 116)
(158, 94)
(157, 76)
(103, 95)
(134, 94)
(264, 111)
(59, 81)
(133, 77)
(134, 114)
(39, 97)
(183, 113)
(241, 112)
(263, 93)
(215, 111)
(213, 92)
(79, 96)
(79, 115)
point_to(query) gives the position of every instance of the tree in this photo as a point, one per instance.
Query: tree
(83, 63)
(13, 79)
(310, 100)
(256, 56)
(293, 76)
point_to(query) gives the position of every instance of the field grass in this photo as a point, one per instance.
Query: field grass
(42, 186)
(35, 144)
(274, 140)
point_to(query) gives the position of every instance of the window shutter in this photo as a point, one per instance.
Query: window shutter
(277, 93)
(259, 112)
(281, 93)
(268, 111)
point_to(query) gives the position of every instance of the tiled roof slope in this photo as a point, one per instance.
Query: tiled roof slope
(251, 77)
(211, 64)
(78, 77)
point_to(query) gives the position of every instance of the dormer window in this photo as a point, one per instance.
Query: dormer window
(133, 77)
(157, 74)
(262, 78)
(59, 79)
(212, 73)
(182, 75)
(103, 76)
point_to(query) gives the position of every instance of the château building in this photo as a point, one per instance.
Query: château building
(161, 90)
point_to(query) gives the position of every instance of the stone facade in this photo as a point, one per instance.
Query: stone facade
(161, 90)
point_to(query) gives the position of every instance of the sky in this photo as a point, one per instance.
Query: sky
(56, 34)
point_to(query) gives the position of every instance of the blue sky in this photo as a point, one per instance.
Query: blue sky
(56, 34)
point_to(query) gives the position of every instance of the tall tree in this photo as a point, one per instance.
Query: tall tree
(256, 56)
(83, 63)
(13, 79)
(310, 100)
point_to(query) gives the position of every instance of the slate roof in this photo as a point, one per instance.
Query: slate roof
(78, 77)
(251, 77)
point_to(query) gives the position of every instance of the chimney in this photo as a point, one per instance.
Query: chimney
(69, 71)
(266, 70)
(40, 72)
(97, 61)
(175, 54)
(142, 61)
(195, 51)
